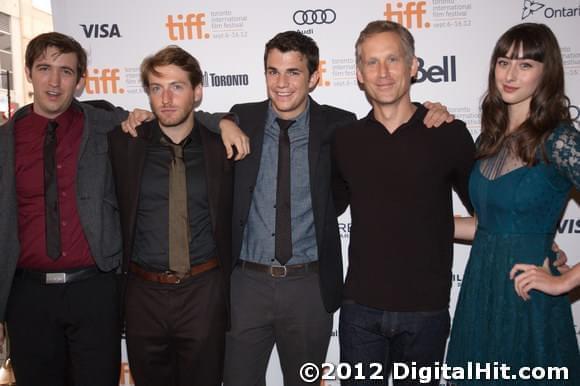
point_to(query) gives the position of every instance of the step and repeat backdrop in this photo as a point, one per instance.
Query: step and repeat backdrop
(454, 39)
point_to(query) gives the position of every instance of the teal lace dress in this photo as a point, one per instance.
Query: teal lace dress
(518, 208)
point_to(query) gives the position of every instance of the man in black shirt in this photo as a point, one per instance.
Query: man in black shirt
(175, 195)
(397, 175)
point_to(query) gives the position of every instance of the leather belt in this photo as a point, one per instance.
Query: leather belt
(170, 277)
(280, 270)
(57, 277)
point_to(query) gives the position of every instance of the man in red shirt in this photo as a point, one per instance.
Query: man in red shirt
(59, 230)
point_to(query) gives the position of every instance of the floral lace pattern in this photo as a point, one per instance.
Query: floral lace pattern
(565, 152)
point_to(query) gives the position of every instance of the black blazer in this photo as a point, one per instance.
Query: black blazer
(128, 158)
(323, 122)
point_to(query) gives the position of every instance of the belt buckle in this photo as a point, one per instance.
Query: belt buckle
(55, 278)
(278, 268)
(178, 276)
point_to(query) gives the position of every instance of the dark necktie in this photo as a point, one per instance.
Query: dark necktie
(51, 212)
(283, 242)
(179, 260)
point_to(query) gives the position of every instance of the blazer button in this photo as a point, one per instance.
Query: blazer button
(241, 223)
(251, 189)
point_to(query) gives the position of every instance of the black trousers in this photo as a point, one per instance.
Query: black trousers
(287, 312)
(63, 334)
(176, 332)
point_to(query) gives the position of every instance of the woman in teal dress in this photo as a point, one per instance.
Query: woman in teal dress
(528, 161)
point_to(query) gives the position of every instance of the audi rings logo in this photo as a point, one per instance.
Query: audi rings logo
(314, 16)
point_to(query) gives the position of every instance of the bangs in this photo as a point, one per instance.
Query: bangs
(531, 43)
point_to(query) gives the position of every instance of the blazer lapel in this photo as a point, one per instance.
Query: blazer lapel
(256, 124)
(136, 152)
(214, 164)
(317, 124)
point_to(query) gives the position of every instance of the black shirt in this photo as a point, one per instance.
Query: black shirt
(401, 240)
(151, 249)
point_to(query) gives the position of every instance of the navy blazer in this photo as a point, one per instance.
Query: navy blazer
(323, 122)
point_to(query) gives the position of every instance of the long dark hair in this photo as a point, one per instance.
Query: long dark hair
(549, 105)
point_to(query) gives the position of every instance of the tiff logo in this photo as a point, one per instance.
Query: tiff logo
(183, 28)
(322, 71)
(408, 14)
(103, 81)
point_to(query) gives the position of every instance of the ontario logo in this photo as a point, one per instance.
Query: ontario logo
(531, 7)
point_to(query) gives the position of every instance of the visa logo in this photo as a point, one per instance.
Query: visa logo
(569, 225)
(101, 30)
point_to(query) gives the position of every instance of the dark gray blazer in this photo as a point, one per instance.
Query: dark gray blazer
(323, 122)
(96, 200)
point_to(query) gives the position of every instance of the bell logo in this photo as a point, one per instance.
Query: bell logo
(447, 72)
(184, 30)
(103, 81)
(409, 14)
(322, 71)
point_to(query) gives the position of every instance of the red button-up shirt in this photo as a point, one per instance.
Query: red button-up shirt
(29, 133)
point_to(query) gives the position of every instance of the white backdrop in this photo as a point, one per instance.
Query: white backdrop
(454, 39)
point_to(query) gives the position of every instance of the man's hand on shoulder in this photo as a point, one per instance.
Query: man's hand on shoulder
(437, 114)
(136, 118)
(234, 137)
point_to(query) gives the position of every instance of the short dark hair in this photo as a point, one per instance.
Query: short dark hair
(295, 41)
(63, 43)
(171, 55)
(380, 26)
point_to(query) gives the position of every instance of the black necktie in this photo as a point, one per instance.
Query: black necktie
(52, 222)
(283, 242)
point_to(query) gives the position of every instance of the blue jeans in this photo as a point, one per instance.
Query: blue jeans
(369, 335)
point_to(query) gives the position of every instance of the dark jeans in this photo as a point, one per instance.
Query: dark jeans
(370, 335)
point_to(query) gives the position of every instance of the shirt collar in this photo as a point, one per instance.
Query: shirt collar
(64, 120)
(418, 115)
(157, 134)
(301, 119)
